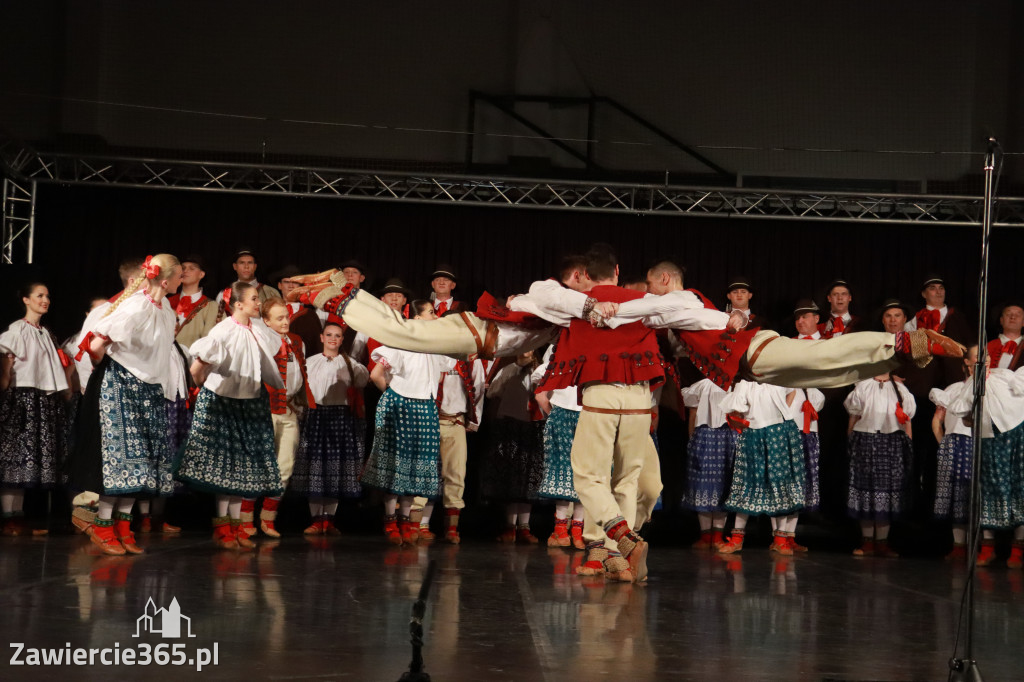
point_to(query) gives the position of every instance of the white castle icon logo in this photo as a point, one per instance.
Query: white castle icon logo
(165, 622)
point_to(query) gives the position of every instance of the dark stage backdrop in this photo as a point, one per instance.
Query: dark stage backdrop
(82, 233)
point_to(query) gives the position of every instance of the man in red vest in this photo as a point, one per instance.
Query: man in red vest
(614, 370)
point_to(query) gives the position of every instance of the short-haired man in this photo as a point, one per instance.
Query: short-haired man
(739, 292)
(1004, 351)
(840, 321)
(196, 313)
(807, 317)
(244, 266)
(442, 284)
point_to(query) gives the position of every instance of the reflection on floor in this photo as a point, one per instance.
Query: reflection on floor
(339, 609)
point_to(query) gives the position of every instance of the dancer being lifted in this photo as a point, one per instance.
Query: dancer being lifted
(716, 343)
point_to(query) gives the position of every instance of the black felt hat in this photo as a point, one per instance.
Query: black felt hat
(806, 305)
(396, 286)
(444, 270)
(739, 282)
(931, 279)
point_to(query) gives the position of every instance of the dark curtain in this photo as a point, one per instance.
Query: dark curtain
(82, 233)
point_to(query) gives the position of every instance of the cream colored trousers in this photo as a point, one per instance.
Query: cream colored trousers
(609, 453)
(825, 363)
(286, 442)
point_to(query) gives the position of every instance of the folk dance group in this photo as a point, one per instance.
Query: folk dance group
(182, 390)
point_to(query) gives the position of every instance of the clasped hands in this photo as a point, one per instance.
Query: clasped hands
(601, 311)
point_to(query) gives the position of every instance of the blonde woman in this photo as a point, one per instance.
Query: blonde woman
(133, 341)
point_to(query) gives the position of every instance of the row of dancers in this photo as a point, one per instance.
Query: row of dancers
(230, 448)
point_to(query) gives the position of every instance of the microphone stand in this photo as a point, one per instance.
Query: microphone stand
(416, 673)
(966, 669)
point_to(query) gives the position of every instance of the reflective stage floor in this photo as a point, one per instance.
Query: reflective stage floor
(339, 610)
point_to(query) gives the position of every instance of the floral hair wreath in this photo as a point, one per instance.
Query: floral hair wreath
(151, 269)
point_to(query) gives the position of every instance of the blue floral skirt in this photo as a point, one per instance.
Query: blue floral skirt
(406, 454)
(136, 453)
(953, 478)
(1002, 479)
(879, 475)
(33, 438)
(812, 456)
(230, 448)
(559, 430)
(709, 463)
(330, 454)
(769, 474)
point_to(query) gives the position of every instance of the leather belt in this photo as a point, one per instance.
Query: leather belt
(606, 410)
(476, 334)
(484, 347)
(757, 352)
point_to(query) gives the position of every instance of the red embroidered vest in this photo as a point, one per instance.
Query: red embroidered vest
(279, 396)
(628, 354)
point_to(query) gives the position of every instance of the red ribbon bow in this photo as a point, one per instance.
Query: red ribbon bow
(442, 309)
(185, 306)
(806, 338)
(810, 415)
(83, 347)
(901, 416)
(736, 423)
(1009, 348)
(151, 269)
(928, 319)
(838, 327)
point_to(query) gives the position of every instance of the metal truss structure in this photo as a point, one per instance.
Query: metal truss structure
(19, 207)
(26, 168)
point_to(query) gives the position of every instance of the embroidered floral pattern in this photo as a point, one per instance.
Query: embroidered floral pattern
(559, 431)
(1002, 479)
(133, 427)
(33, 438)
(953, 478)
(879, 474)
(230, 449)
(406, 454)
(769, 475)
(710, 454)
(330, 454)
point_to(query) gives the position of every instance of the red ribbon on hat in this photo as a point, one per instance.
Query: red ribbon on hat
(151, 269)
(810, 415)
